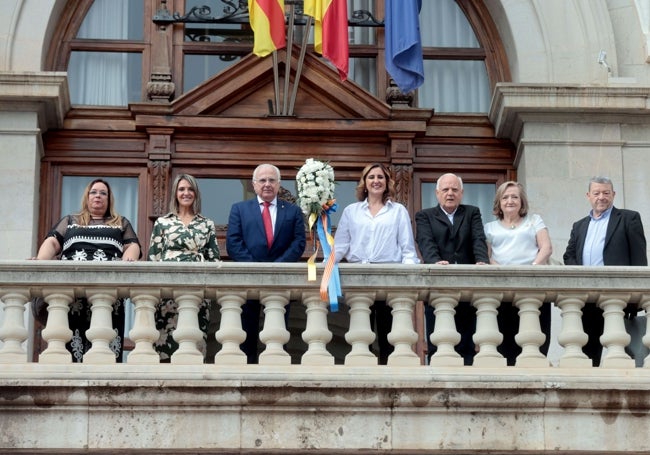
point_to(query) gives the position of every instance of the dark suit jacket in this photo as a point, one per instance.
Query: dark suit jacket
(624, 240)
(246, 240)
(460, 243)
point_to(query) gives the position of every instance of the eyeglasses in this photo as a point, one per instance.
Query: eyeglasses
(95, 193)
(265, 181)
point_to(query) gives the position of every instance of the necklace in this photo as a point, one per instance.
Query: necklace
(512, 225)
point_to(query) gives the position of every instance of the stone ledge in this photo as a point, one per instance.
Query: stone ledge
(45, 93)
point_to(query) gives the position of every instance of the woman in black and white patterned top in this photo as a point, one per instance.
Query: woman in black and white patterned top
(96, 233)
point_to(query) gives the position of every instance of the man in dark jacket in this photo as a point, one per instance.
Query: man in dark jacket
(452, 233)
(252, 238)
(607, 236)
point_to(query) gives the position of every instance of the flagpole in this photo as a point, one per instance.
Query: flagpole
(276, 83)
(287, 69)
(301, 59)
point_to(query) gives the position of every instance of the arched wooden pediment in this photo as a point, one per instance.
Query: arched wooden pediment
(247, 88)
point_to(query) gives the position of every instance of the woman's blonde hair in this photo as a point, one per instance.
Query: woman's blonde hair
(194, 185)
(496, 208)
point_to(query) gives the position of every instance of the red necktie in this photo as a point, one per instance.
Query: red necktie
(268, 225)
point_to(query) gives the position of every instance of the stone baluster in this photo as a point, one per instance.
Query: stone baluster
(445, 336)
(57, 331)
(360, 335)
(402, 335)
(101, 332)
(230, 334)
(274, 335)
(572, 336)
(144, 333)
(614, 336)
(317, 333)
(13, 332)
(530, 336)
(187, 333)
(645, 304)
(487, 336)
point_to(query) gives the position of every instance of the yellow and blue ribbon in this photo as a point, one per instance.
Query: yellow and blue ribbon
(330, 287)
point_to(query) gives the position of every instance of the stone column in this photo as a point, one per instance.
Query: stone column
(360, 335)
(572, 336)
(144, 333)
(13, 332)
(614, 336)
(645, 304)
(402, 335)
(230, 333)
(274, 334)
(30, 104)
(445, 336)
(487, 336)
(187, 333)
(317, 333)
(530, 336)
(57, 331)
(101, 331)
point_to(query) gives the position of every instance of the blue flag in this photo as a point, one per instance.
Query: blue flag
(403, 43)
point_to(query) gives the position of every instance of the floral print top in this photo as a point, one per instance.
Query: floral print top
(171, 240)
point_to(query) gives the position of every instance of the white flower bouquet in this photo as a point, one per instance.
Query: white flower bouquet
(315, 182)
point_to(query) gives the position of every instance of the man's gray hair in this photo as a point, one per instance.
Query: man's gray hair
(277, 171)
(447, 175)
(601, 180)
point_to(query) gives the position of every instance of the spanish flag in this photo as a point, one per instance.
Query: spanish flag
(331, 31)
(267, 22)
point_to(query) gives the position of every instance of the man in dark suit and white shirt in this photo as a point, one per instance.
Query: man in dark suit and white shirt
(607, 236)
(246, 240)
(452, 233)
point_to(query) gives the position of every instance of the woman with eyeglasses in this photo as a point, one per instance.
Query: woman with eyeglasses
(96, 233)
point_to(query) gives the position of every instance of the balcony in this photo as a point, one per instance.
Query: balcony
(321, 402)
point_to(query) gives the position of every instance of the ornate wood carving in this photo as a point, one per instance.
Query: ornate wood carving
(161, 87)
(403, 175)
(159, 166)
(159, 172)
(396, 98)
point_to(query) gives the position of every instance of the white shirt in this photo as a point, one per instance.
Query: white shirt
(516, 246)
(592, 252)
(273, 209)
(385, 237)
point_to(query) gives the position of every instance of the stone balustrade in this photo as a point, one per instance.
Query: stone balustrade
(320, 405)
(275, 285)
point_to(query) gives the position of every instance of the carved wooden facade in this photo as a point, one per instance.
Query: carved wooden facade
(222, 128)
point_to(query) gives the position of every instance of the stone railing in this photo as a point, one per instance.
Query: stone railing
(321, 406)
(275, 285)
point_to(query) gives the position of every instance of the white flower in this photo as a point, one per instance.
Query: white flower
(315, 181)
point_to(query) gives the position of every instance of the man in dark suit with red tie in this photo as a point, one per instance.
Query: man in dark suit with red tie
(607, 236)
(452, 233)
(263, 229)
